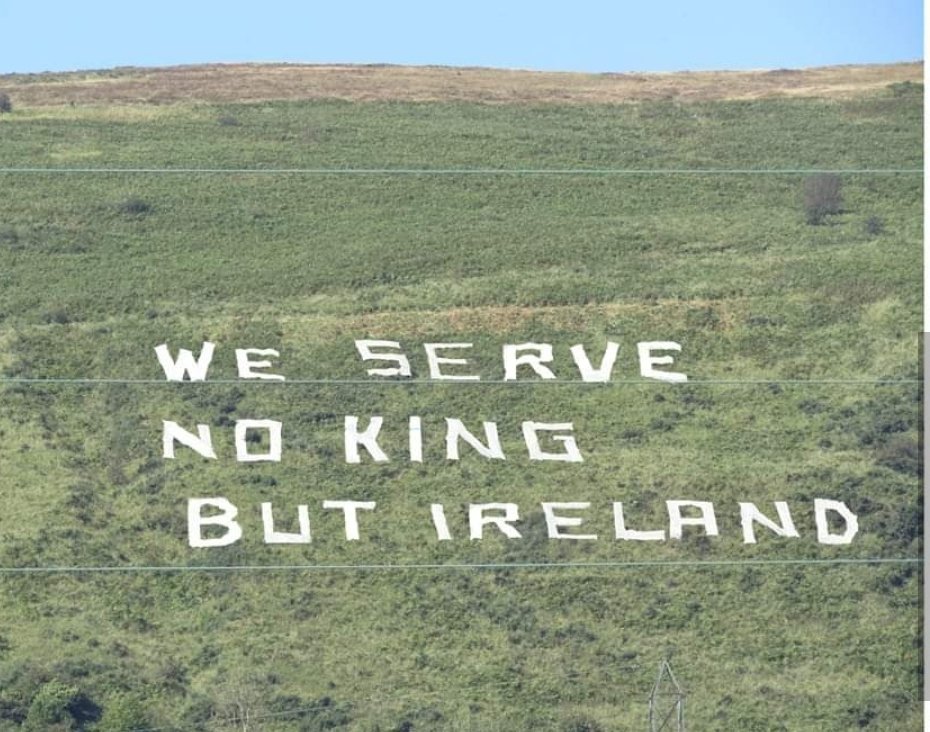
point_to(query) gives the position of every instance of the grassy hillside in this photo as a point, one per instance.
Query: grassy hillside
(800, 342)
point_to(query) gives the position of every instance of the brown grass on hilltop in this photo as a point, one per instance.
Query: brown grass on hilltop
(261, 82)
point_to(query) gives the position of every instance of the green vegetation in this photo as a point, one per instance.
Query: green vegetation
(99, 268)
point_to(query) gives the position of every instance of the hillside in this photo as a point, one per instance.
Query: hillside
(302, 208)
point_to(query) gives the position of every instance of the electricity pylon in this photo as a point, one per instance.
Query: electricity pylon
(666, 702)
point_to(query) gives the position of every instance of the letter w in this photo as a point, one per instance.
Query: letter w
(185, 363)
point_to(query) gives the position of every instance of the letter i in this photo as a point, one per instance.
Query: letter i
(416, 440)
(439, 521)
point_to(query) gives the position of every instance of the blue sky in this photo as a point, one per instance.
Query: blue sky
(638, 35)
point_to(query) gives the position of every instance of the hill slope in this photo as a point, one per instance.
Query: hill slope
(799, 341)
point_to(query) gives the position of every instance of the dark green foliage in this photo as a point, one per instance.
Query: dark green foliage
(905, 88)
(581, 724)
(9, 237)
(59, 316)
(6, 105)
(50, 708)
(823, 196)
(316, 715)
(199, 710)
(901, 453)
(123, 711)
(874, 225)
(882, 415)
(84, 710)
(135, 206)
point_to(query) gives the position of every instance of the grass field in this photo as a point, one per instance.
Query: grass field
(525, 220)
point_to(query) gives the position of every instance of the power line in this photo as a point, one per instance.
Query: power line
(456, 383)
(658, 563)
(469, 171)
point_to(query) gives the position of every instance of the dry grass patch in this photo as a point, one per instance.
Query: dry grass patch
(501, 320)
(223, 83)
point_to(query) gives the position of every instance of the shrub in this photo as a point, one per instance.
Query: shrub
(822, 196)
(58, 316)
(122, 712)
(49, 707)
(227, 120)
(904, 88)
(5, 104)
(900, 453)
(9, 236)
(135, 206)
(581, 724)
(874, 226)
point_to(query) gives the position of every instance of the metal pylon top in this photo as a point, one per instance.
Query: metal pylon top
(666, 702)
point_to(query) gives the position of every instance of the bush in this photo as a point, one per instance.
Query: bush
(904, 88)
(581, 724)
(9, 236)
(135, 207)
(822, 196)
(123, 712)
(58, 316)
(874, 226)
(5, 104)
(49, 708)
(227, 120)
(900, 453)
